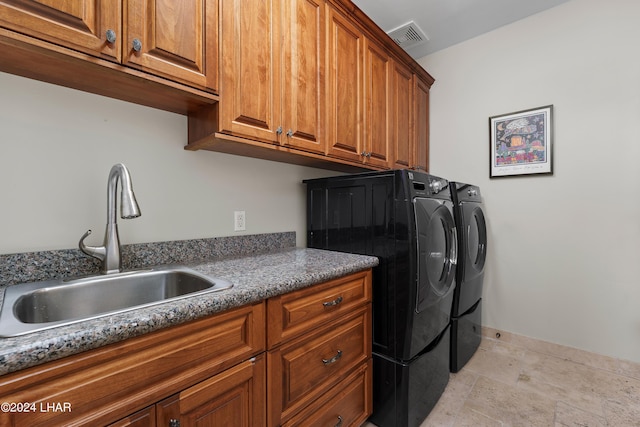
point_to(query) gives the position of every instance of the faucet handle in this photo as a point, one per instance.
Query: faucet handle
(98, 252)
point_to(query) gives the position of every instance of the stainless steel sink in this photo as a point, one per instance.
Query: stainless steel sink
(31, 307)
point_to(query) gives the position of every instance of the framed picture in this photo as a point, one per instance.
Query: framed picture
(521, 143)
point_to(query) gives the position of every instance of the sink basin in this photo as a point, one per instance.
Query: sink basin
(31, 307)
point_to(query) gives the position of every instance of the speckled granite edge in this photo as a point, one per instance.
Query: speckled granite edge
(255, 278)
(44, 265)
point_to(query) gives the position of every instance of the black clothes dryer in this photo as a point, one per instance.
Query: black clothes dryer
(466, 311)
(405, 218)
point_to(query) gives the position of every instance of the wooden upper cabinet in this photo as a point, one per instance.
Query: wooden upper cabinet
(312, 82)
(271, 77)
(421, 126)
(176, 39)
(345, 99)
(78, 24)
(402, 138)
(315, 83)
(302, 60)
(377, 119)
(249, 74)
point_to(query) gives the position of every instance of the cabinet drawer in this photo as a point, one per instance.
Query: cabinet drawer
(106, 384)
(347, 404)
(304, 369)
(295, 313)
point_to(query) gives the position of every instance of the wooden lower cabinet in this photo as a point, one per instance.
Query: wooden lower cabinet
(320, 351)
(143, 418)
(346, 404)
(216, 371)
(234, 398)
(110, 383)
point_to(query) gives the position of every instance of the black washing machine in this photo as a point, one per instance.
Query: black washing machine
(466, 311)
(404, 218)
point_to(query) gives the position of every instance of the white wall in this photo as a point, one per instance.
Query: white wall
(57, 146)
(564, 250)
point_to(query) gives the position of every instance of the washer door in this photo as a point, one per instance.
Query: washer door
(437, 251)
(475, 238)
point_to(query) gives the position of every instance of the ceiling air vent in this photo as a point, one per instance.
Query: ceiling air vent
(408, 35)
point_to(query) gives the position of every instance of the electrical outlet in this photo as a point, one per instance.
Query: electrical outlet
(239, 221)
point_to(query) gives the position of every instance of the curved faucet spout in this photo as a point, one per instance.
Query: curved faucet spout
(109, 253)
(128, 205)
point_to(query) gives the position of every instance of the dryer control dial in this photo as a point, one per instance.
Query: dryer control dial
(436, 186)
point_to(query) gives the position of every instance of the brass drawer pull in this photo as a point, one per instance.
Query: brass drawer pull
(339, 421)
(334, 359)
(332, 303)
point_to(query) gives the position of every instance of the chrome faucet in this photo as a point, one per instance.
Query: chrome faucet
(109, 254)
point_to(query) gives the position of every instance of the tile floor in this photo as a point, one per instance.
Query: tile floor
(518, 381)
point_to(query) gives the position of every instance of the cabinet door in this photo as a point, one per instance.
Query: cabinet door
(250, 73)
(143, 418)
(377, 68)
(234, 398)
(176, 39)
(78, 24)
(421, 126)
(344, 87)
(303, 53)
(402, 136)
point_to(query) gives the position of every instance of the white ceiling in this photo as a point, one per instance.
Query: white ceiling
(448, 22)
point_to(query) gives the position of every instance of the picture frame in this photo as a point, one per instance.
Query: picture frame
(521, 143)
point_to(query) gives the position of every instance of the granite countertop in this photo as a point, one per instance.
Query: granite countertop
(255, 278)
